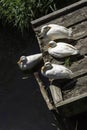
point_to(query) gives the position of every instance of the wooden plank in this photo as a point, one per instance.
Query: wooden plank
(75, 88)
(79, 30)
(71, 18)
(79, 73)
(56, 93)
(75, 107)
(70, 100)
(59, 13)
(77, 62)
(74, 91)
(43, 91)
(82, 45)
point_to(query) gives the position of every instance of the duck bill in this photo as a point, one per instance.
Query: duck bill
(43, 68)
(48, 28)
(18, 62)
(49, 46)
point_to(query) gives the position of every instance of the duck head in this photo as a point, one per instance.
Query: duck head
(47, 66)
(22, 62)
(52, 44)
(45, 29)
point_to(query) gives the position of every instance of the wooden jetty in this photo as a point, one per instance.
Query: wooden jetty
(72, 98)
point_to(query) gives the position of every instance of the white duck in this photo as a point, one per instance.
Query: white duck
(54, 71)
(28, 62)
(61, 49)
(54, 31)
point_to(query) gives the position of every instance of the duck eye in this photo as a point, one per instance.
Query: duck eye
(48, 28)
(47, 64)
(51, 44)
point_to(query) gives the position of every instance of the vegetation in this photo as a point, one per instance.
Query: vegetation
(20, 12)
(67, 62)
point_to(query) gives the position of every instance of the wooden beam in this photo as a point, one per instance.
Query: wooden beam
(79, 73)
(58, 13)
(73, 106)
(43, 91)
(70, 100)
(56, 93)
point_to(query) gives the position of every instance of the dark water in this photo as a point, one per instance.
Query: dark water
(21, 104)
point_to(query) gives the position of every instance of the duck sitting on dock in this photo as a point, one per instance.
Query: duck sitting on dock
(28, 62)
(61, 49)
(54, 71)
(54, 31)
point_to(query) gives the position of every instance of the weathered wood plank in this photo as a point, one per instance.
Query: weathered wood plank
(79, 88)
(43, 91)
(79, 30)
(56, 93)
(70, 100)
(59, 13)
(79, 73)
(71, 18)
(73, 106)
(81, 63)
(74, 91)
(82, 45)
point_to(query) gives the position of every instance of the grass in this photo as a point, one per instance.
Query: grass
(21, 12)
(67, 62)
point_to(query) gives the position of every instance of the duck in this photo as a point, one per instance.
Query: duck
(55, 71)
(54, 31)
(61, 49)
(28, 62)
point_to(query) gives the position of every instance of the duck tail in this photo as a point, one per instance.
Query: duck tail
(76, 52)
(70, 32)
(71, 72)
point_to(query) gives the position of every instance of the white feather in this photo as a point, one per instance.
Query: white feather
(31, 61)
(56, 72)
(56, 32)
(62, 49)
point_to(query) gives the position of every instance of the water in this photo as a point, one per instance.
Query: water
(21, 104)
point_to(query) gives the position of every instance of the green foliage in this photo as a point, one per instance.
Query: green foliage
(67, 62)
(21, 12)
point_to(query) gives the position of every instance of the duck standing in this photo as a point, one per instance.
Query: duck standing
(61, 49)
(54, 31)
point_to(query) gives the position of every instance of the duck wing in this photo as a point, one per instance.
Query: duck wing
(58, 72)
(65, 48)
